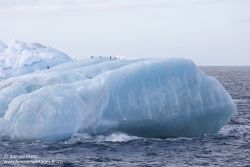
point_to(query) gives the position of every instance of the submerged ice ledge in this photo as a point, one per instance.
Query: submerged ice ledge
(141, 97)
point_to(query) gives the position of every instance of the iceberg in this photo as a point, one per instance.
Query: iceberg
(156, 98)
(2, 75)
(17, 58)
(2, 46)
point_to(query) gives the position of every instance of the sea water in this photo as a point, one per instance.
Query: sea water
(231, 147)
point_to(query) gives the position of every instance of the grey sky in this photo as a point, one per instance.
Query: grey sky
(210, 32)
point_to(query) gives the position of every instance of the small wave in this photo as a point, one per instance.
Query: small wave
(114, 137)
(234, 129)
(178, 139)
(241, 100)
(119, 137)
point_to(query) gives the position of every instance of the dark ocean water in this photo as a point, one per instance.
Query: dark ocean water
(231, 147)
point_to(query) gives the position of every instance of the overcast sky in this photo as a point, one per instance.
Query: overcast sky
(210, 32)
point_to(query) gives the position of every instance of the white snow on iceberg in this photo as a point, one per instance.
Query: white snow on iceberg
(17, 58)
(140, 97)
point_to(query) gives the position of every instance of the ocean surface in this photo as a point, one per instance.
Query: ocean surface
(231, 147)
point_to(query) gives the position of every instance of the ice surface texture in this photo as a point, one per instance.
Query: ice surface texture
(18, 58)
(141, 97)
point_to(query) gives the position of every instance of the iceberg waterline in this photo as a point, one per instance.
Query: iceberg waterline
(141, 97)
